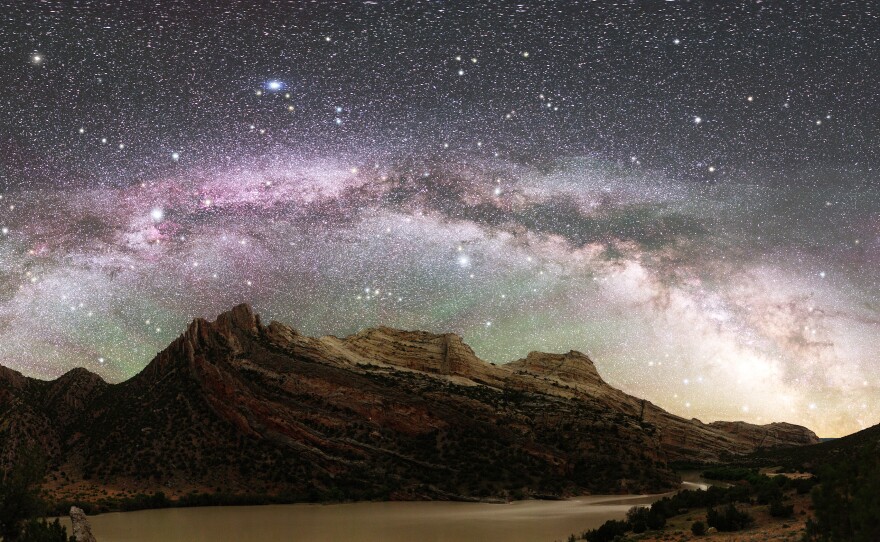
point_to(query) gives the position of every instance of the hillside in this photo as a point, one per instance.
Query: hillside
(813, 457)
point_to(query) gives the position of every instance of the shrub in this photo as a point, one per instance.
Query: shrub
(21, 505)
(43, 531)
(641, 519)
(779, 510)
(847, 501)
(698, 528)
(729, 518)
(607, 532)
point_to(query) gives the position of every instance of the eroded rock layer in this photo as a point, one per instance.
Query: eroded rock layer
(237, 406)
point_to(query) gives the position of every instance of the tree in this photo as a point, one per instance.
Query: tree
(19, 496)
(780, 510)
(43, 531)
(21, 505)
(728, 518)
(642, 518)
(846, 500)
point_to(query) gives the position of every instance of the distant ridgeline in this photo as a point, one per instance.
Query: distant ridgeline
(237, 408)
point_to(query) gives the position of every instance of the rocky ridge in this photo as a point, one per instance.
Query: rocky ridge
(238, 406)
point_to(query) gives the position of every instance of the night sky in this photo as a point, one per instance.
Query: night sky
(686, 191)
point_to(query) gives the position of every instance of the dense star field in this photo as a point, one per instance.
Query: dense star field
(686, 191)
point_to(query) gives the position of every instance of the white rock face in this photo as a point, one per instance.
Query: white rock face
(82, 531)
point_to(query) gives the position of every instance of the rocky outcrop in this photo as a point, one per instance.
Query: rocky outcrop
(773, 435)
(82, 529)
(242, 407)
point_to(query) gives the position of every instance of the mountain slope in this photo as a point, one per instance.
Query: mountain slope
(813, 457)
(237, 406)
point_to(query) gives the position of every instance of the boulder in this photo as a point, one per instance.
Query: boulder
(82, 530)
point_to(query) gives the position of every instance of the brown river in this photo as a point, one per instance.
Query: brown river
(521, 521)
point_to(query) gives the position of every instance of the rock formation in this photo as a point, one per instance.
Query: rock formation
(82, 530)
(237, 406)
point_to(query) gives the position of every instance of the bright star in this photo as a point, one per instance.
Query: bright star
(157, 214)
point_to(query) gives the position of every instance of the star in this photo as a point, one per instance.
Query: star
(348, 146)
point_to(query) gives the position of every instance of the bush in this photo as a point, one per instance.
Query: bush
(768, 489)
(43, 531)
(779, 510)
(639, 526)
(698, 528)
(802, 485)
(846, 499)
(21, 505)
(641, 518)
(607, 532)
(729, 518)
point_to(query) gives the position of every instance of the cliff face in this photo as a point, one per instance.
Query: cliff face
(238, 406)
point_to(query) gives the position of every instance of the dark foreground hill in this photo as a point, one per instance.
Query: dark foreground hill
(813, 458)
(236, 406)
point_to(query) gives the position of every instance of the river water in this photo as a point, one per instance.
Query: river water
(521, 521)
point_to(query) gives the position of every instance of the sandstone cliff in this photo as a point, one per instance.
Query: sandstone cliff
(241, 407)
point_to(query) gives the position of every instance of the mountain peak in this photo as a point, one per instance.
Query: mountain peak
(203, 336)
(573, 366)
(12, 377)
(68, 394)
(241, 316)
(79, 374)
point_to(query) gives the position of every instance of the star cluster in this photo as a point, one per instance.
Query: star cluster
(686, 191)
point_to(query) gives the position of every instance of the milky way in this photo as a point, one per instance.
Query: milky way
(687, 192)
